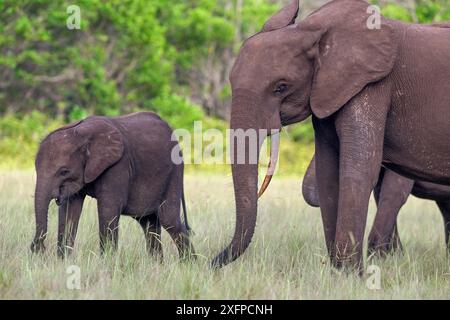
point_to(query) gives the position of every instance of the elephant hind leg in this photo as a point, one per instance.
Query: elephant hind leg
(391, 193)
(310, 189)
(170, 216)
(170, 220)
(152, 231)
(444, 206)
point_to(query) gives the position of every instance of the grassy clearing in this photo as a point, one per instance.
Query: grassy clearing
(287, 259)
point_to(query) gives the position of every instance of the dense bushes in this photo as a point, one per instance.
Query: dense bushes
(421, 11)
(127, 56)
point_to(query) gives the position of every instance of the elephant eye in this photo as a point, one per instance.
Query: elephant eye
(64, 172)
(280, 88)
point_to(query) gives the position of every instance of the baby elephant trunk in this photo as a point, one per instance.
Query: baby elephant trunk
(42, 200)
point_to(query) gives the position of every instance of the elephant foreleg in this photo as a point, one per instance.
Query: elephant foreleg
(108, 222)
(360, 127)
(170, 218)
(68, 218)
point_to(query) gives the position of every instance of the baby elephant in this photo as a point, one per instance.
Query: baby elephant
(123, 162)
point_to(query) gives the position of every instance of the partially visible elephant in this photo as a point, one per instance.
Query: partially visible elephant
(391, 192)
(377, 95)
(126, 164)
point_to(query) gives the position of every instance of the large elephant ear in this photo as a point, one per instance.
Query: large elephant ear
(104, 146)
(282, 18)
(349, 54)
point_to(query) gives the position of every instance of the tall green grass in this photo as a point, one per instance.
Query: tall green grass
(286, 260)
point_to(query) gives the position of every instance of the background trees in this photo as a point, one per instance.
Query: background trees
(171, 57)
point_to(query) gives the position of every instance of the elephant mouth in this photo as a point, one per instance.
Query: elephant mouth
(59, 201)
(287, 120)
(70, 190)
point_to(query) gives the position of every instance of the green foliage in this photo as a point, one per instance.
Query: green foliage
(77, 113)
(396, 12)
(20, 137)
(178, 111)
(301, 133)
(170, 57)
(128, 55)
(120, 60)
(433, 11)
(194, 27)
(422, 11)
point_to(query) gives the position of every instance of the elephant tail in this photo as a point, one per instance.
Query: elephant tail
(183, 204)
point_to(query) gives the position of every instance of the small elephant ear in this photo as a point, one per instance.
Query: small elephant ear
(348, 55)
(104, 146)
(282, 18)
(66, 127)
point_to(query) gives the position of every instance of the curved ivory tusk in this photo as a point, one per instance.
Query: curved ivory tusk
(266, 181)
(272, 164)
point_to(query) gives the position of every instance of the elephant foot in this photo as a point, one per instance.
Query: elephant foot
(348, 267)
(37, 246)
(221, 259)
(187, 254)
(348, 262)
(383, 247)
(188, 257)
(64, 251)
(157, 255)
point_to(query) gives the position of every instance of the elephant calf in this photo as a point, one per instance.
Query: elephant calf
(391, 193)
(123, 162)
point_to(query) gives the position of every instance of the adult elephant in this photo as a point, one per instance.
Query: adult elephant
(390, 193)
(377, 94)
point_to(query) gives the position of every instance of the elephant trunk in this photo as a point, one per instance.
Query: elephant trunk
(245, 154)
(42, 200)
(245, 180)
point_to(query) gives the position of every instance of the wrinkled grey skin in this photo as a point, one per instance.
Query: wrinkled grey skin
(123, 162)
(391, 192)
(376, 96)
